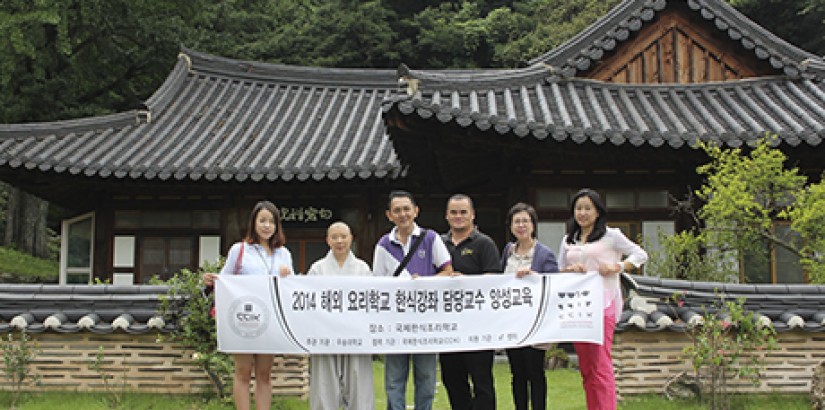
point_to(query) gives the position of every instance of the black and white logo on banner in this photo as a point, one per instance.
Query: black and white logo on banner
(248, 317)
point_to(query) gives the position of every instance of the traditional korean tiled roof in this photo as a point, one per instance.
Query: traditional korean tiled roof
(533, 102)
(221, 119)
(546, 101)
(579, 53)
(81, 308)
(652, 307)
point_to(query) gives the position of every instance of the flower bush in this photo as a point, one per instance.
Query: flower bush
(729, 342)
(187, 305)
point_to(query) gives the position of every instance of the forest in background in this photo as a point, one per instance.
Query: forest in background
(64, 59)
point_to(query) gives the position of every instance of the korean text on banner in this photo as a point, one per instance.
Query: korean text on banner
(373, 315)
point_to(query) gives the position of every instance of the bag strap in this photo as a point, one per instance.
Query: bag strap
(238, 262)
(409, 254)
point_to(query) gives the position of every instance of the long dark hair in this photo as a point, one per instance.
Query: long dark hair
(522, 207)
(599, 227)
(278, 239)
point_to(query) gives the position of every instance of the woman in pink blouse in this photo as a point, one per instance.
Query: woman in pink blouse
(591, 246)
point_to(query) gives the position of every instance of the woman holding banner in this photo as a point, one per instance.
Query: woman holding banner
(524, 256)
(590, 246)
(262, 252)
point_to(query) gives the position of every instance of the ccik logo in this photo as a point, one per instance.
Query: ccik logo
(248, 317)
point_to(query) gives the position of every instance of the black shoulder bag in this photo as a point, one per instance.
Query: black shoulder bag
(409, 254)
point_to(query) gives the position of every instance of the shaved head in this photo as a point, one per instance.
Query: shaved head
(339, 239)
(339, 226)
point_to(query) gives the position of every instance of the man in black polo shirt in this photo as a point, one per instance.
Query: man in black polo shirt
(472, 253)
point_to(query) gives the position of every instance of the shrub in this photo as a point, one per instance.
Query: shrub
(187, 305)
(729, 342)
(17, 359)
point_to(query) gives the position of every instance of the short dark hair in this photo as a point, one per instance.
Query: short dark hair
(522, 207)
(399, 194)
(462, 197)
(278, 239)
(599, 227)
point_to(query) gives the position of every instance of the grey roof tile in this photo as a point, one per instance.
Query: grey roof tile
(537, 100)
(788, 307)
(219, 119)
(75, 308)
(530, 102)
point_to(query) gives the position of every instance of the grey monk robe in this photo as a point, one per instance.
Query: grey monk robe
(339, 381)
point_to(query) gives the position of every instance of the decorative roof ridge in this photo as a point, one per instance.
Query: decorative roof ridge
(76, 126)
(473, 78)
(605, 34)
(654, 286)
(480, 79)
(416, 80)
(672, 86)
(271, 72)
(171, 85)
(79, 291)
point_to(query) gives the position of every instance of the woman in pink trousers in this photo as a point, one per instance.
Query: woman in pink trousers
(590, 245)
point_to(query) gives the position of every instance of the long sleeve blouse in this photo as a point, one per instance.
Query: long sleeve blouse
(255, 260)
(609, 249)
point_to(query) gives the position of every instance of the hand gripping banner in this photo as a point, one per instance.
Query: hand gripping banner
(372, 315)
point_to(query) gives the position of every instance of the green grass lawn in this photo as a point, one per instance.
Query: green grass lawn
(563, 389)
(20, 267)
(564, 393)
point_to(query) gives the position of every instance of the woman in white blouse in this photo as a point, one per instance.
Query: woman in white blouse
(262, 252)
(591, 246)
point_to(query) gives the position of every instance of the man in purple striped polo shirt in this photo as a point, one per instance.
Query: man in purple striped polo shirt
(429, 259)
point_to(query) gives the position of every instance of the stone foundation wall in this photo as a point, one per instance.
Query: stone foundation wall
(138, 362)
(645, 361)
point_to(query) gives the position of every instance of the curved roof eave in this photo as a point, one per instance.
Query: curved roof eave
(218, 119)
(732, 112)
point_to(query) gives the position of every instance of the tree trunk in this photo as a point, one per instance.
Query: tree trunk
(26, 223)
(12, 204)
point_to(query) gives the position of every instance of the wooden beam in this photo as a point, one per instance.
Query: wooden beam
(678, 47)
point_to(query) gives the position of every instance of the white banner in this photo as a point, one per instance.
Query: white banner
(371, 315)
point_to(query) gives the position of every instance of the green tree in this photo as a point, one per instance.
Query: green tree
(799, 22)
(744, 194)
(551, 23)
(67, 59)
(350, 34)
(684, 255)
(493, 34)
(452, 36)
